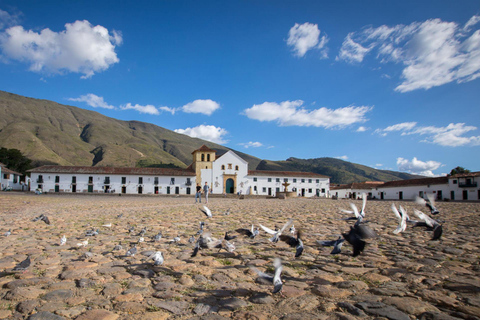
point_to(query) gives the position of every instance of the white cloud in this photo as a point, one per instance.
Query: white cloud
(7, 20)
(418, 167)
(201, 106)
(304, 37)
(379, 165)
(80, 48)
(168, 109)
(362, 129)
(290, 113)
(149, 109)
(342, 158)
(205, 132)
(251, 144)
(433, 52)
(93, 101)
(449, 136)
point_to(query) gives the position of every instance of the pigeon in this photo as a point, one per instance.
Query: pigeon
(292, 229)
(277, 233)
(294, 242)
(429, 203)
(191, 240)
(229, 246)
(131, 252)
(63, 240)
(202, 224)
(23, 266)
(355, 210)
(82, 244)
(157, 257)
(43, 218)
(132, 228)
(275, 279)
(227, 212)
(158, 236)
(91, 233)
(196, 248)
(249, 233)
(38, 218)
(207, 212)
(120, 215)
(142, 239)
(87, 255)
(9, 232)
(142, 232)
(175, 240)
(118, 247)
(355, 240)
(337, 245)
(228, 238)
(108, 225)
(402, 219)
(429, 223)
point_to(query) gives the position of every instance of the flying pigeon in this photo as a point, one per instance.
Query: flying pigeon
(402, 219)
(63, 240)
(207, 212)
(294, 242)
(277, 233)
(131, 252)
(292, 229)
(200, 231)
(355, 210)
(157, 257)
(228, 237)
(229, 246)
(429, 223)
(275, 279)
(23, 266)
(337, 245)
(196, 248)
(429, 203)
(249, 233)
(355, 240)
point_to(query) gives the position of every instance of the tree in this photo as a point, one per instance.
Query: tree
(14, 160)
(458, 170)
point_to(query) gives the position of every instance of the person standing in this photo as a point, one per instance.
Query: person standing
(206, 189)
(198, 194)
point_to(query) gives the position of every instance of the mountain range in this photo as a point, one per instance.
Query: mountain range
(51, 133)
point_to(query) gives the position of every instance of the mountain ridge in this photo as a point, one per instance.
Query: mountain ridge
(51, 133)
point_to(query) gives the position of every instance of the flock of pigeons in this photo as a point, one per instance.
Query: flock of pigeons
(356, 236)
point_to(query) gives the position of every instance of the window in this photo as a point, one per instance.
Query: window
(236, 168)
(107, 180)
(278, 179)
(323, 191)
(229, 166)
(124, 180)
(223, 167)
(255, 179)
(285, 179)
(269, 179)
(294, 180)
(57, 179)
(90, 180)
(203, 157)
(309, 180)
(208, 157)
(254, 188)
(303, 180)
(277, 189)
(188, 183)
(39, 180)
(140, 180)
(74, 179)
(15, 179)
(317, 181)
(309, 190)
(454, 181)
(264, 189)
(172, 180)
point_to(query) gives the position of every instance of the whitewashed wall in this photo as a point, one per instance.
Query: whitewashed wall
(270, 185)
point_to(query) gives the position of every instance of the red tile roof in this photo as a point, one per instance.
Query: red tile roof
(285, 174)
(358, 185)
(415, 182)
(204, 148)
(466, 175)
(114, 170)
(6, 170)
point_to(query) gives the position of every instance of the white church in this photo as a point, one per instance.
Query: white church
(227, 174)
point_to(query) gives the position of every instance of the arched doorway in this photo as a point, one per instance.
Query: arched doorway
(229, 186)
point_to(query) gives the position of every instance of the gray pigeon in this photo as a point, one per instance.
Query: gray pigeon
(9, 232)
(275, 279)
(132, 251)
(23, 266)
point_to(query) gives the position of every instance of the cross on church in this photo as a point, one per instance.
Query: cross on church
(285, 184)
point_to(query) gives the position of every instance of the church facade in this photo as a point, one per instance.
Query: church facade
(227, 174)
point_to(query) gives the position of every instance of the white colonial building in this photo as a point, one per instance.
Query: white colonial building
(457, 187)
(10, 180)
(227, 174)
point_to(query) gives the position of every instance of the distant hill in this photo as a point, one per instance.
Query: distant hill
(51, 133)
(338, 170)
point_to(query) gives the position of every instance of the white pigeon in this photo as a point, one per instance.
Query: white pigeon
(355, 210)
(63, 240)
(142, 239)
(275, 279)
(82, 244)
(108, 225)
(207, 212)
(402, 219)
(276, 233)
(157, 257)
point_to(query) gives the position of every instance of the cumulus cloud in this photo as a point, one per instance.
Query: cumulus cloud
(433, 52)
(418, 167)
(93, 101)
(342, 158)
(201, 106)
(304, 37)
(291, 113)
(452, 135)
(249, 144)
(7, 20)
(80, 48)
(148, 109)
(362, 129)
(168, 109)
(205, 132)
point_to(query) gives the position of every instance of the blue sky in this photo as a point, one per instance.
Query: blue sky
(392, 85)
